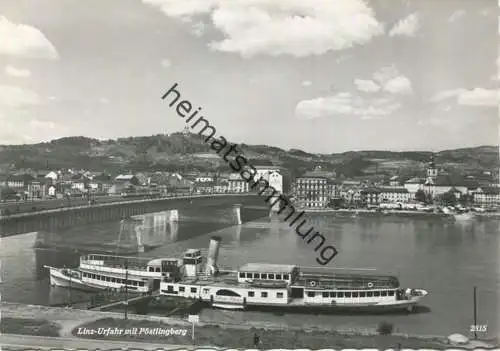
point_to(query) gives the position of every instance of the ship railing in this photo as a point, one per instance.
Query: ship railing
(101, 265)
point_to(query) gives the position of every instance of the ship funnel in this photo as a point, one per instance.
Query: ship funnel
(213, 253)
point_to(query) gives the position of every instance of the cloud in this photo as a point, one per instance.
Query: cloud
(345, 104)
(17, 72)
(293, 27)
(368, 86)
(388, 79)
(198, 29)
(407, 26)
(306, 83)
(11, 96)
(24, 41)
(479, 97)
(474, 97)
(398, 85)
(455, 16)
(166, 63)
(21, 129)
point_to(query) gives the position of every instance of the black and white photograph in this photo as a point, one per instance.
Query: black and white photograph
(249, 174)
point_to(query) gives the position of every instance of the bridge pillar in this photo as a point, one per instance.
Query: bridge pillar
(237, 236)
(237, 213)
(174, 216)
(138, 228)
(148, 227)
(174, 231)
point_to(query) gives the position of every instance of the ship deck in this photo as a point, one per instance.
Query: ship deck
(340, 281)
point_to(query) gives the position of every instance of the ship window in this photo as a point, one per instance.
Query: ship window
(251, 294)
(391, 293)
(158, 269)
(249, 275)
(347, 294)
(271, 276)
(279, 295)
(383, 293)
(369, 293)
(263, 294)
(311, 293)
(193, 290)
(181, 288)
(151, 269)
(278, 276)
(326, 294)
(362, 294)
(242, 275)
(285, 276)
(134, 283)
(376, 293)
(263, 276)
(333, 294)
(354, 294)
(256, 275)
(141, 283)
(129, 282)
(340, 294)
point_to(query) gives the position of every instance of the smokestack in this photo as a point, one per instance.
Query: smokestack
(213, 253)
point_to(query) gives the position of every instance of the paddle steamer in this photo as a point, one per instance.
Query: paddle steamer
(256, 285)
(108, 272)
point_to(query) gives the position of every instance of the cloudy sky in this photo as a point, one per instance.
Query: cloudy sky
(319, 75)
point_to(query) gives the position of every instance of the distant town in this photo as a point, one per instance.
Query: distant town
(317, 189)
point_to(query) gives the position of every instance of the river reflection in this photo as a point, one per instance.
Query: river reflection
(446, 258)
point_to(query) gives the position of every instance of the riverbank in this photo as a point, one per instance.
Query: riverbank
(67, 321)
(400, 213)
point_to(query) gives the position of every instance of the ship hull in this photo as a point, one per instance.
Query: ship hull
(400, 307)
(58, 278)
(407, 306)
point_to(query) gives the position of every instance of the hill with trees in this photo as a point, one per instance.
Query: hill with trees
(181, 151)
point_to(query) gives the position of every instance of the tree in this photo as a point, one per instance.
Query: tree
(420, 196)
(449, 199)
(465, 199)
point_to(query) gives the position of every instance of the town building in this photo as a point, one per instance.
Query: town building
(313, 189)
(394, 195)
(487, 196)
(19, 181)
(236, 184)
(370, 196)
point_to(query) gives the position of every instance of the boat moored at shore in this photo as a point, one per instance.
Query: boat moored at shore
(109, 272)
(257, 285)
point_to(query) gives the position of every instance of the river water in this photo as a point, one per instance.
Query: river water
(444, 257)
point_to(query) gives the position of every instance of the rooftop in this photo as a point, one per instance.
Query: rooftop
(267, 268)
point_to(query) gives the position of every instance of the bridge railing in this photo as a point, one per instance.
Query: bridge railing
(118, 203)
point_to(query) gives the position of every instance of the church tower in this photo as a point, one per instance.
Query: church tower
(432, 171)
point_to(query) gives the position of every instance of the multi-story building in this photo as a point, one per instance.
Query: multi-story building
(221, 185)
(236, 184)
(370, 196)
(20, 181)
(394, 195)
(487, 196)
(313, 190)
